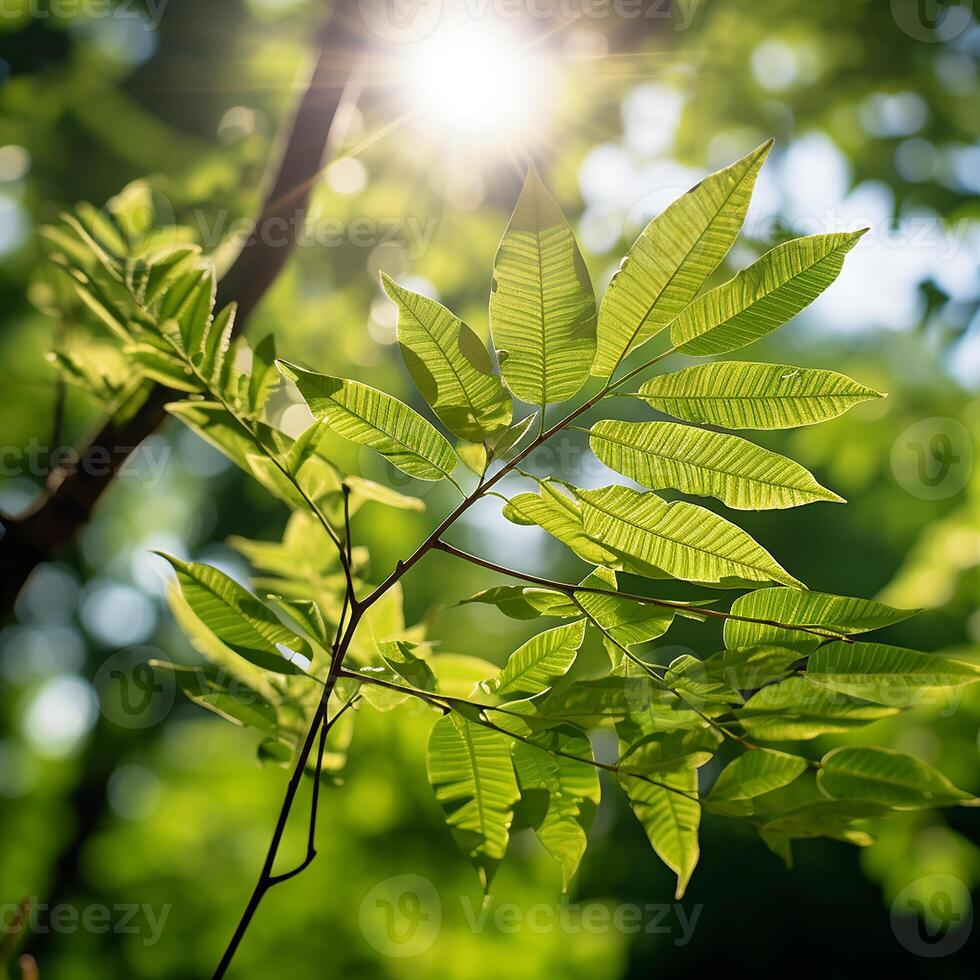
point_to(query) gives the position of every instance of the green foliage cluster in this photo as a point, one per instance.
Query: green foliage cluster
(322, 633)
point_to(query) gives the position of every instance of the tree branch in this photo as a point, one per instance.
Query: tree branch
(567, 589)
(70, 494)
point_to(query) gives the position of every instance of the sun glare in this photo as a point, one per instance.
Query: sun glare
(480, 82)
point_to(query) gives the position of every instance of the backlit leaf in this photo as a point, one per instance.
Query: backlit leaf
(671, 260)
(372, 418)
(762, 297)
(743, 395)
(677, 540)
(450, 366)
(542, 308)
(662, 455)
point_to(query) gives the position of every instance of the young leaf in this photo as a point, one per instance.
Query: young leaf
(670, 819)
(217, 344)
(677, 540)
(743, 395)
(884, 776)
(671, 260)
(798, 709)
(238, 618)
(762, 297)
(450, 366)
(189, 302)
(884, 674)
(263, 377)
(471, 772)
(842, 614)
(755, 772)
(559, 795)
(542, 308)
(536, 665)
(662, 455)
(372, 418)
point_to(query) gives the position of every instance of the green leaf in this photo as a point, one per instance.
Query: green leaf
(691, 680)
(535, 666)
(471, 772)
(884, 776)
(750, 668)
(884, 674)
(304, 613)
(825, 818)
(217, 344)
(450, 366)
(840, 614)
(213, 423)
(671, 260)
(743, 395)
(474, 457)
(372, 418)
(671, 820)
(506, 441)
(676, 540)
(559, 796)
(264, 377)
(238, 618)
(400, 657)
(626, 621)
(762, 297)
(798, 709)
(458, 674)
(755, 772)
(662, 455)
(561, 517)
(542, 307)
(225, 695)
(520, 602)
(189, 302)
(367, 490)
(671, 751)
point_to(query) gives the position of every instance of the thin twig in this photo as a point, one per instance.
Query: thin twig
(567, 589)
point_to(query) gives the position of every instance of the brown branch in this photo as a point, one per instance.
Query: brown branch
(73, 490)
